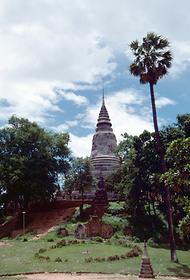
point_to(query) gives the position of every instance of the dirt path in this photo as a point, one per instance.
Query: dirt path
(89, 276)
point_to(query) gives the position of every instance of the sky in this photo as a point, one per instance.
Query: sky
(57, 55)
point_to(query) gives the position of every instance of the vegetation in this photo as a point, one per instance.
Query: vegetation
(152, 60)
(139, 181)
(20, 257)
(31, 159)
(79, 178)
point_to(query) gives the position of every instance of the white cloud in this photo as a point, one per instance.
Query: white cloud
(71, 96)
(49, 44)
(45, 44)
(34, 101)
(81, 146)
(123, 112)
(164, 101)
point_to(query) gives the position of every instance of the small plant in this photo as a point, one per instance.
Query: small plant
(134, 252)
(42, 250)
(97, 259)
(66, 260)
(152, 243)
(36, 255)
(113, 258)
(136, 239)
(58, 259)
(61, 243)
(47, 258)
(50, 240)
(98, 239)
(88, 260)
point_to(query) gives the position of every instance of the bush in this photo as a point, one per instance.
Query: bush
(58, 259)
(50, 240)
(60, 244)
(118, 223)
(88, 260)
(113, 258)
(136, 239)
(98, 239)
(42, 250)
(116, 208)
(36, 255)
(134, 252)
(152, 243)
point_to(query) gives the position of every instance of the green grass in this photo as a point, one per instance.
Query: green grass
(19, 258)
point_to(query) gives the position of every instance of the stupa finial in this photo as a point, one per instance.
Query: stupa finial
(103, 94)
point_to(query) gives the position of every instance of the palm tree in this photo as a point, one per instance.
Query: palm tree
(152, 60)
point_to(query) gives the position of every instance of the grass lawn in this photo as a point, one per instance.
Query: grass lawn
(18, 257)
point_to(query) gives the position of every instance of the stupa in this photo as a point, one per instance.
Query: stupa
(103, 155)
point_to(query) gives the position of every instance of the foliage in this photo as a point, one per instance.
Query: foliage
(178, 179)
(140, 181)
(19, 258)
(116, 208)
(177, 155)
(30, 161)
(118, 223)
(79, 177)
(152, 58)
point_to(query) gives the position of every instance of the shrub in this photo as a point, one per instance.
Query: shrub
(134, 252)
(58, 259)
(98, 239)
(116, 208)
(136, 239)
(42, 250)
(97, 259)
(50, 240)
(47, 258)
(152, 243)
(61, 243)
(113, 258)
(88, 260)
(36, 255)
(118, 223)
(66, 260)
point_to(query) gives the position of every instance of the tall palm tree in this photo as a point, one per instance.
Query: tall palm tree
(151, 63)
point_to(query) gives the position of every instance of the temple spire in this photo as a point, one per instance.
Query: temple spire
(104, 122)
(103, 100)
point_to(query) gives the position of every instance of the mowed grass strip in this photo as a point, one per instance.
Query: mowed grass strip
(19, 257)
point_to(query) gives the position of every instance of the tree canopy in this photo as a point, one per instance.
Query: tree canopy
(30, 160)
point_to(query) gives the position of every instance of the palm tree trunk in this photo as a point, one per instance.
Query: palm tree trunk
(163, 170)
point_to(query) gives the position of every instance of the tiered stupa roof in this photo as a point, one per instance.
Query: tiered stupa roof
(103, 156)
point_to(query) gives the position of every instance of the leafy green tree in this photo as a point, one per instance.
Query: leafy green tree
(139, 183)
(30, 161)
(177, 156)
(184, 124)
(152, 60)
(177, 178)
(79, 177)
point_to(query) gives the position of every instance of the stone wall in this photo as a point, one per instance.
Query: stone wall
(95, 227)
